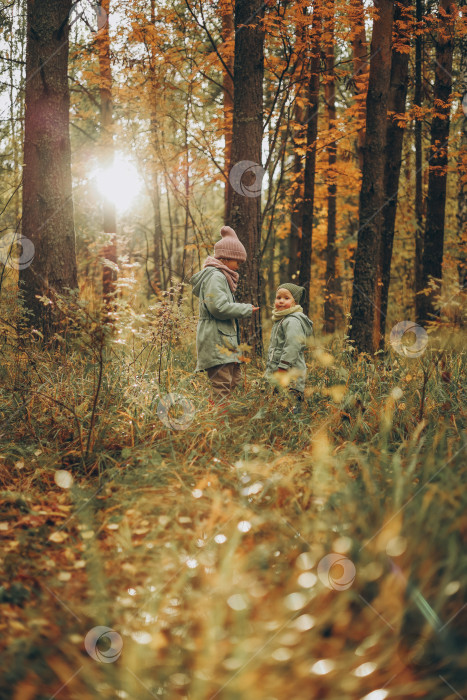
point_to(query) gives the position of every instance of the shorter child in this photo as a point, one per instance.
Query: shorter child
(288, 339)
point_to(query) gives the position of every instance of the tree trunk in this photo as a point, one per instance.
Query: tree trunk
(298, 137)
(437, 178)
(364, 311)
(170, 246)
(332, 308)
(310, 159)
(296, 216)
(109, 275)
(157, 239)
(47, 193)
(356, 14)
(418, 96)
(187, 196)
(226, 10)
(462, 170)
(155, 187)
(16, 76)
(394, 138)
(247, 134)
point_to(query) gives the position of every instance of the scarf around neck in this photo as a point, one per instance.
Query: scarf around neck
(231, 275)
(278, 315)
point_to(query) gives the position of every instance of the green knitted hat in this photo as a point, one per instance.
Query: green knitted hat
(297, 292)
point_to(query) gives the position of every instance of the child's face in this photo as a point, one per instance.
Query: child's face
(231, 264)
(284, 300)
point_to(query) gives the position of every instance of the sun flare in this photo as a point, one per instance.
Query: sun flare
(120, 183)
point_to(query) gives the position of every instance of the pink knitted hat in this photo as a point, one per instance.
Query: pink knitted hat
(229, 247)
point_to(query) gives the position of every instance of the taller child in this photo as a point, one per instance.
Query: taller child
(218, 334)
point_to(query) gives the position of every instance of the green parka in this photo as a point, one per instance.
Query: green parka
(217, 335)
(287, 345)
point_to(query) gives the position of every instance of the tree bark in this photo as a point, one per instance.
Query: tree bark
(418, 97)
(310, 159)
(187, 195)
(109, 274)
(16, 75)
(226, 10)
(155, 192)
(47, 191)
(332, 308)
(364, 310)
(297, 211)
(159, 281)
(462, 170)
(247, 134)
(394, 138)
(432, 262)
(298, 136)
(360, 63)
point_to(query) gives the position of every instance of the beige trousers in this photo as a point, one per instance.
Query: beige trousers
(224, 379)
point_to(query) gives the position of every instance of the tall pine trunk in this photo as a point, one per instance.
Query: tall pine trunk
(298, 136)
(109, 253)
(365, 312)
(226, 10)
(356, 14)
(332, 309)
(310, 159)
(158, 277)
(462, 170)
(418, 97)
(47, 193)
(296, 216)
(394, 138)
(432, 262)
(247, 133)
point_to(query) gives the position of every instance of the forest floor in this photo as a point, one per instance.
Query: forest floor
(253, 554)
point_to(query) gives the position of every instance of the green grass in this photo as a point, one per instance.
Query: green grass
(204, 548)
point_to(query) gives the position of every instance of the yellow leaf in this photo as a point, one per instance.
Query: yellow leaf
(337, 392)
(389, 531)
(323, 357)
(58, 537)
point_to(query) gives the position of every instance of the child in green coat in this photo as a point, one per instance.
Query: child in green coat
(288, 339)
(218, 335)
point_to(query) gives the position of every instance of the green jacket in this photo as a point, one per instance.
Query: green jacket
(217, 335)
(287, 345)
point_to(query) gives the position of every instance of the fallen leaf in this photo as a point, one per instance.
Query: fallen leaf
(64, 576)
(58, 537)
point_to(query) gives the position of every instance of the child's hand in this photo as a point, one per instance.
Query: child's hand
(255, 308)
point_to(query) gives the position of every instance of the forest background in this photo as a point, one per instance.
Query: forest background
(151, 119)
(151, 549)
